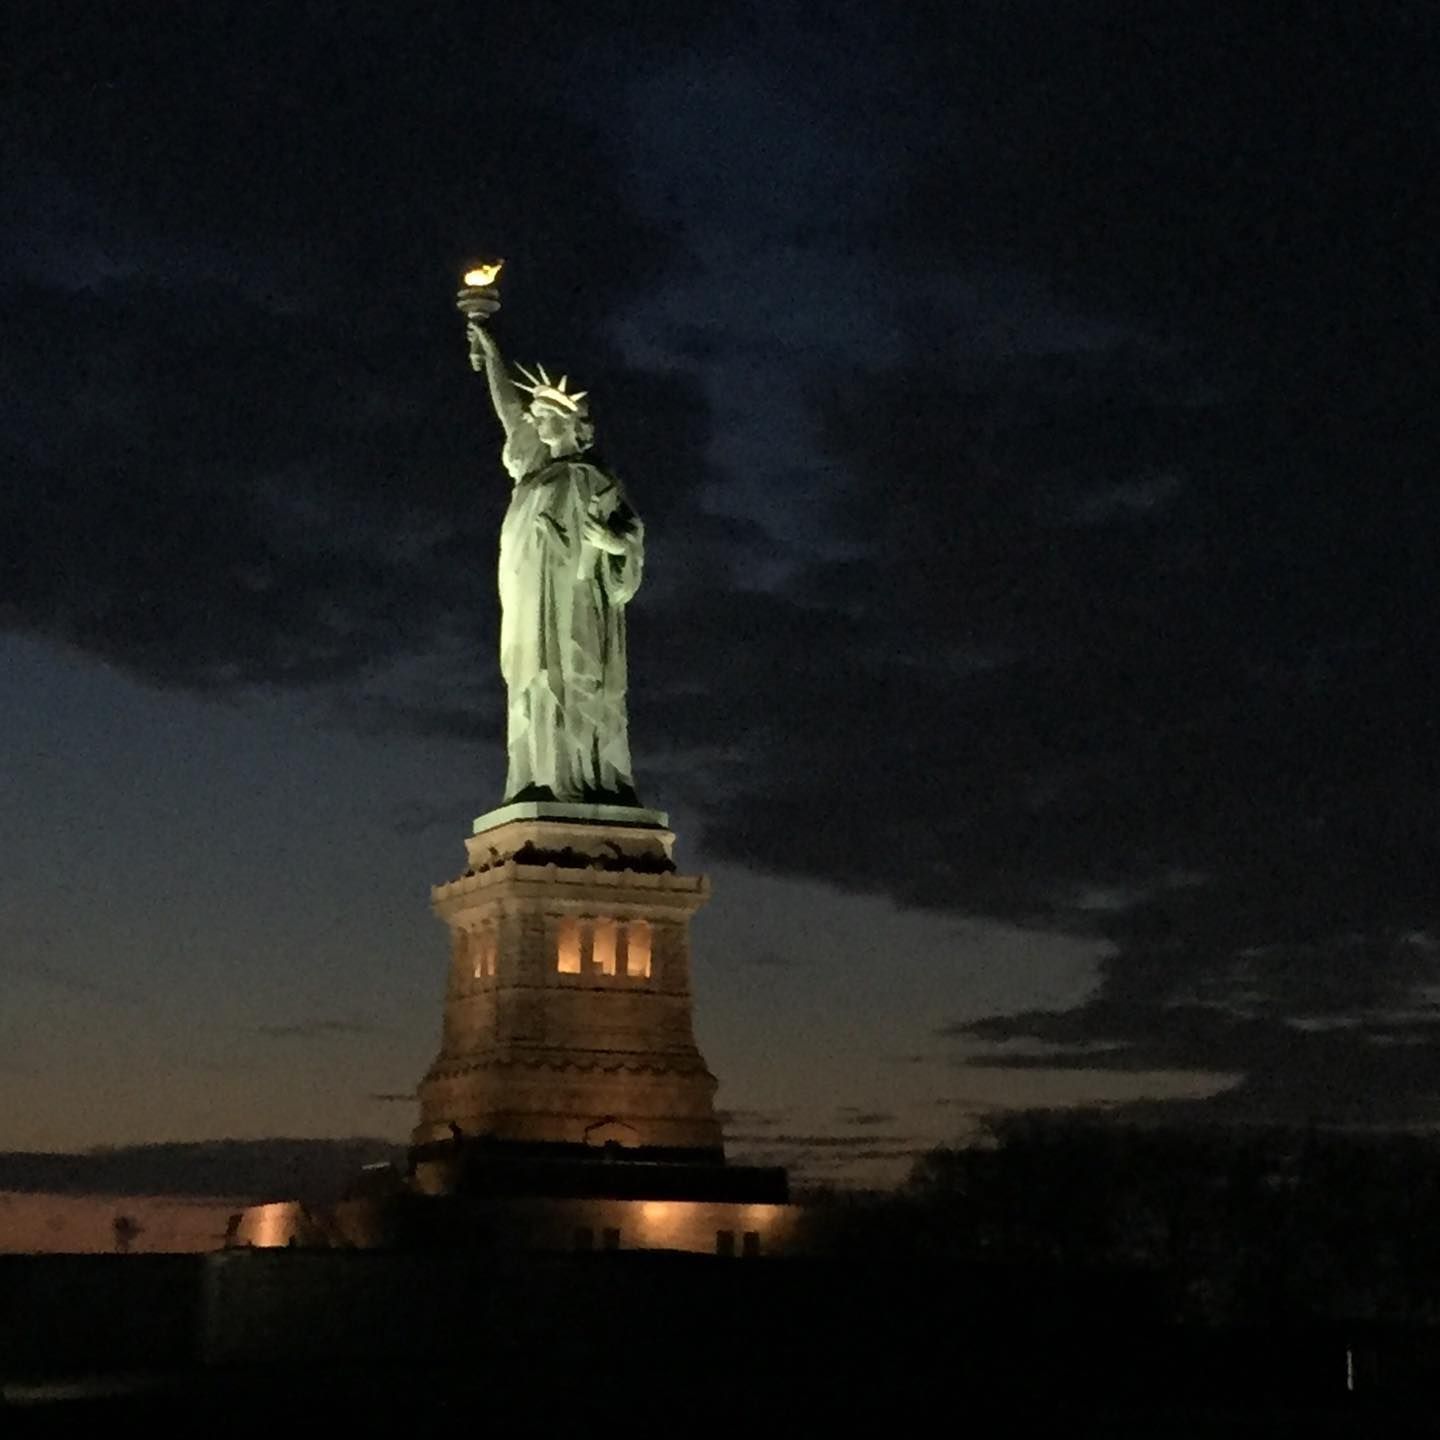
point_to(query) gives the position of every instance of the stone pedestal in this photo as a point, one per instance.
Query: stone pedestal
(569, 1107)
(567, 1011)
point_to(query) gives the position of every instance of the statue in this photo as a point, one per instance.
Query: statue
(571, 557)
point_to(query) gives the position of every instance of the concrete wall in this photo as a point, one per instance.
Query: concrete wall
(692, 1226)
(519, 1225)
(81, 1313)
(453, 1314)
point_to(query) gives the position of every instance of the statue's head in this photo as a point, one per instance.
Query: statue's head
(561, 418)
(562, 432)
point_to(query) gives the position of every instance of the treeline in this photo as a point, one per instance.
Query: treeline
(1234, 1226)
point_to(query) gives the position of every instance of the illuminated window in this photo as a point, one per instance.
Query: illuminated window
(603, 947)
(637, 949)
(724, 1242)
(483, 952)
(567, 946)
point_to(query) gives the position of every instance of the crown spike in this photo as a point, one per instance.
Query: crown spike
(542, 388)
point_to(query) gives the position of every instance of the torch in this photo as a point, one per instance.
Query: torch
(478, 298)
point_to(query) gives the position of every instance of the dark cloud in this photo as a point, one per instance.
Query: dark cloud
(819, 1142)
(1133, 637)
(826, 1156)
(751, 1119)
(807, 1163)
(311, 1170)
(232, 455)
(1106, 599)
(1340, 1032)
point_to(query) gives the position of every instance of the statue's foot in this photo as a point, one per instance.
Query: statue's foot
(622, 795)
(530, 792)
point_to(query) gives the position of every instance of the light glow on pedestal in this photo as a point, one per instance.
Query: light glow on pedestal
(567, 946)
(603, 946)
(637, 949)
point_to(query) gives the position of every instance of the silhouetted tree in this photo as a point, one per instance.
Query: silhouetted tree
(1254, 1225)
(127, 1231)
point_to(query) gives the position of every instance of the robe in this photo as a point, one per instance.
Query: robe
(562, 628)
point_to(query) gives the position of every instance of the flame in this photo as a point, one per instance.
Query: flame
(484, 274)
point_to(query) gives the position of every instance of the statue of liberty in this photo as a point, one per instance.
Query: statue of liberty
(571, 557)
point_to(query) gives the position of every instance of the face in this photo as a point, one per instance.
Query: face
(556, 431)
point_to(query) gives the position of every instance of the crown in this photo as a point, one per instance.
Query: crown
(553, 393)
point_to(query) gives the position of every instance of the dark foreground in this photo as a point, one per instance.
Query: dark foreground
(601, 1341)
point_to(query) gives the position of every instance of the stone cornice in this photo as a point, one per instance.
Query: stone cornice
(653, 1064)
(574, 887)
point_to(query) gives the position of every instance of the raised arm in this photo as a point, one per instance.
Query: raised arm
(485, 355)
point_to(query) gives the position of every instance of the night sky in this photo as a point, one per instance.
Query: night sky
(1033, 412)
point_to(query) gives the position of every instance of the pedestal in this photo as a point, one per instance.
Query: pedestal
(569, 1107)
(567, 1020)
